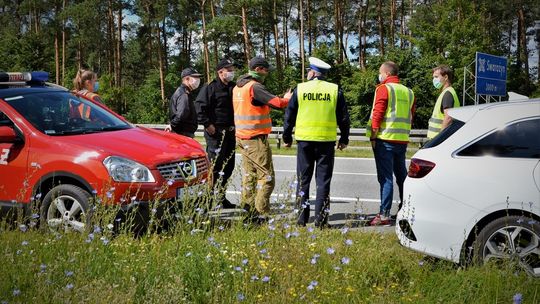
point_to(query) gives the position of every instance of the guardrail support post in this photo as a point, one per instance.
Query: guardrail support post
(278, 142)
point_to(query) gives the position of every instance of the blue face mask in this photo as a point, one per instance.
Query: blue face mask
(96, 86)
(437, 83)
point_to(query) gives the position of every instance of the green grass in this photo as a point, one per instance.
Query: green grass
(359, 149)
(200, 267)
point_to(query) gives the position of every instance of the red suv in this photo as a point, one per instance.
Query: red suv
(62, 150)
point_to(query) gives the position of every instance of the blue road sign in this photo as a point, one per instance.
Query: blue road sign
(490, 75)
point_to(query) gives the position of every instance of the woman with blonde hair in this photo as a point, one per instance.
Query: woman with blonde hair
(86, 84)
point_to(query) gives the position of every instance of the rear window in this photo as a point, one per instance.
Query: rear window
(516, 140)
(445, 134)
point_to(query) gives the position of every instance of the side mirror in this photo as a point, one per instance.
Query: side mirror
(8, 135)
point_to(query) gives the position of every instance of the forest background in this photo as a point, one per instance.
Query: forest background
(139, 47)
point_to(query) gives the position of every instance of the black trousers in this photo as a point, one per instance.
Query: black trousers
(318, 157)
(220, 148)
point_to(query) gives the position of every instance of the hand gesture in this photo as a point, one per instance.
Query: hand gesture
(168, 128)
(211, 129)
(288, 94)
(341, 146)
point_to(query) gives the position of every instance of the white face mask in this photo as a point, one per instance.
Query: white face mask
(194, 83)
(381, 78)
(229, 76)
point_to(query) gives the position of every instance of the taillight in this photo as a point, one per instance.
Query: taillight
(420, 168)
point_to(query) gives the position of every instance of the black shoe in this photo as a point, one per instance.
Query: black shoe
(226, 204)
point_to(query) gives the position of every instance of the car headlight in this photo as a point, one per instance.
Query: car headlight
(125, 170)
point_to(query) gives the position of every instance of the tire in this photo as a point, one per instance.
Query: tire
(65, 207)
(511, 238)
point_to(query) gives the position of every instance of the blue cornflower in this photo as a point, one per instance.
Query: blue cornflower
(16, 292)
(68, 273)
(24, 243)
(245, 261)
(23, 228)
(330, 250)
(348, 242)
(344, 230)
(240, 296)
(517, 298)
(69, 286)
(345, 260)
(266, 279)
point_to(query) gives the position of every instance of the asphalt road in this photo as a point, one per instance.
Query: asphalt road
(354, 191)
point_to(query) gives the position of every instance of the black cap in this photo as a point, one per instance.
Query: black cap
(190, 72)
(259, 62)
(224, 63)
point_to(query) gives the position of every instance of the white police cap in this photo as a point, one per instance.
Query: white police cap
(318, 65)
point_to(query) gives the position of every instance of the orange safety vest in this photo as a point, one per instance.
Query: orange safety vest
(249, 120)
(84, 111)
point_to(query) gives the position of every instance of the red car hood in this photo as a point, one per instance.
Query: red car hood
(146, 146)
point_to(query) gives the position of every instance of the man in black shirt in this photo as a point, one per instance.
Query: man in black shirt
(215, 112)
(183, 117)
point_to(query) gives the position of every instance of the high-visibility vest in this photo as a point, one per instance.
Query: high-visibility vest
(249, 120)
(316, 118)
(397, 121)
(84, 111)
(436, 120)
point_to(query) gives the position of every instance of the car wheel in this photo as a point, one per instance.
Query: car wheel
(65, 207)
(511, 238)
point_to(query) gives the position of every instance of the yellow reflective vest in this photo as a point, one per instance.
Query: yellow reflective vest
(316, 118)
(436, 120)
(397, 121)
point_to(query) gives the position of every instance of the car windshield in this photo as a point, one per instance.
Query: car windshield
(445, 134)
(63, 113)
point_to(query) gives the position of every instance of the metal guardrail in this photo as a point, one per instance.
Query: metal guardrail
(416, 136)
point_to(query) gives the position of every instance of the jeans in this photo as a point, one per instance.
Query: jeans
(258, 176)
(390, 158)
(221, 150)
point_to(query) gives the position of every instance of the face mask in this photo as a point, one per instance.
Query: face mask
(194, 83)
(96, 86)
(229, 76)
(381, 78)
(259, 77)
(437, 83)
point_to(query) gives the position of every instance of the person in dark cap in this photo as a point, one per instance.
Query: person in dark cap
(215, 112)
(183, 117)
(317, 108)
(252, 103)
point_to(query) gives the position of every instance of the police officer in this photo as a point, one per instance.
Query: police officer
(215, 112)
(442, 79)
(316, 108)
(388, 130)
(183, 117)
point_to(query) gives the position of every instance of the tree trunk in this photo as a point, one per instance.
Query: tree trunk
(63, 46)
(381, 27)
(301, 35)
(402, 23)
(309, 29)
(276, 39)
(392, 23)
(411, 9)
(161, 65)
(363, 38)
(523, 54)
(205, 43)
(111, 54)
(56, 57)
(215, 44)
(286, 39)
(247, 42)
(119, 47)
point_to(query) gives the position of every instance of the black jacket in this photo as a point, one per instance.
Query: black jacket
(214, 104)
(183, 117)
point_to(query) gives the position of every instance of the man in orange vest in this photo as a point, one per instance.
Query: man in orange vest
(252, 103)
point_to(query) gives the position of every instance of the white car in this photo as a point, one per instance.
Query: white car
(473, 192)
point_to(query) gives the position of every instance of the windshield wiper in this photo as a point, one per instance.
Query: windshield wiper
(115, 128)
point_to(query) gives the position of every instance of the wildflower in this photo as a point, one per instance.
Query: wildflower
(296, 211)
(38, 196)
(263, 251)
(345, 260)
(337, 268)
(420, 263)
(97, 229)
(312, 285)
(238, 268)
(18, 252)
(23, 228)
(221, 228)
(296, 234)
(286, 226)
(24, 243)
(109, 194)
(42, 268)
(288, 235)
(188, 254)
(330, 250)
(269, 178)
(310, 229)
(260, 243)
(359, 210)
(190, 222)
(110, 226)
(517, 298)
(313, 236)
(265, 279)
(240, 297)
(301, 193)
(69, 286)
(35, 216)
(271, 227)
(68, 273)
(254, 278)
(344, 230)
(221, 173)
(244, 261)
(16, 292)
(94, 192)
(348, 242)
(104, 240)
